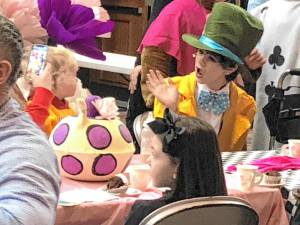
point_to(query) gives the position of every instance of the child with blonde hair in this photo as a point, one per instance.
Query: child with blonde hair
(47, 104)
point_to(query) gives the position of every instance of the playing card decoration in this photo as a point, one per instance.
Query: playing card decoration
(276, 59)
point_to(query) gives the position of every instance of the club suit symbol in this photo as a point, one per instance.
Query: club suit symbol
(276, 59)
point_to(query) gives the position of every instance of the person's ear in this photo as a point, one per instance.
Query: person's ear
(5, 71)
(230, 70)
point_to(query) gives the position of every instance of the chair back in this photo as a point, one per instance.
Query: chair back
(217, 210)
(137, 128)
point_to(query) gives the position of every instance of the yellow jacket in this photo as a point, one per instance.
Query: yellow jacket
(236, 121)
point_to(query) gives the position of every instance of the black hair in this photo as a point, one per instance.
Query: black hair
(200, 170)
(11, 44)
(228, 63)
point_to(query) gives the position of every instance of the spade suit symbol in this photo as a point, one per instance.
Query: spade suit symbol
(276, 59)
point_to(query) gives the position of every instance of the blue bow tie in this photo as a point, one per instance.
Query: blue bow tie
(213, 102)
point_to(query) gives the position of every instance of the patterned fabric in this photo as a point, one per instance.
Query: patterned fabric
(213, 102)
(282, 52)
(290, 177)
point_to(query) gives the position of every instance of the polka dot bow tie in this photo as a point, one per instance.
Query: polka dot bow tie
(213, 102)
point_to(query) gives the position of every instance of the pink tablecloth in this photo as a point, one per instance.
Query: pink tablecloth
(267, 202)
(113, 212)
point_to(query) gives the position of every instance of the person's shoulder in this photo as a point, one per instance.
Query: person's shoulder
(181, 7)
(187, 77)
(243, 99)
(239, 91)
(187, 81)
(19, 129)
(142, 208)
(149, 205)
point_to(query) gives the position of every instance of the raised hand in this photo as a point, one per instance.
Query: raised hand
(163, 89)
(255, 59)
(44, 80)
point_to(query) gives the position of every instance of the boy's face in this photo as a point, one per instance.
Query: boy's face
(208, 69)
(66, 83)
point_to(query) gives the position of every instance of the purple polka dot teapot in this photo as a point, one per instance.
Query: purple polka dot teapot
(95, 145)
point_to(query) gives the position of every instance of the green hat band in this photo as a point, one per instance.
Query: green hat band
(216, 46)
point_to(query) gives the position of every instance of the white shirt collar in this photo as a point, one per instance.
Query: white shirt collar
(204, 87)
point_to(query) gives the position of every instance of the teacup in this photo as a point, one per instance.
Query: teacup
(139, 176)
(294, 147)
(272, 178)
(249, 176)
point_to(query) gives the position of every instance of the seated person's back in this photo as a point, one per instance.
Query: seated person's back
(29, 177)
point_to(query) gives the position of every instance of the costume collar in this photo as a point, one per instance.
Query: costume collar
(204, 87)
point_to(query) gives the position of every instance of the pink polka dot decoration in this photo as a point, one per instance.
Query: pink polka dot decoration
(125, 133)
(98, 136)
(104, 165)
(61, 133)
(71, 165)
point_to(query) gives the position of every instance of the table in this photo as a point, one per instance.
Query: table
(290, 177)
(267, 202)
(113, 212)
(116, 63)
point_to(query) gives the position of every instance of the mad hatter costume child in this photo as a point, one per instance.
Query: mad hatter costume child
(209, 93)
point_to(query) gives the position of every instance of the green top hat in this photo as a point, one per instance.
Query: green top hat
(229, 31)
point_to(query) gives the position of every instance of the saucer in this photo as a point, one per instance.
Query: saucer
(263, 184)
(124, 190)
(119, 190)
(133, 192)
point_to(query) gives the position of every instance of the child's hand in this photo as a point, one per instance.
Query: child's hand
(255, 59)
(44, 80)
(133, 78)
(164, 90)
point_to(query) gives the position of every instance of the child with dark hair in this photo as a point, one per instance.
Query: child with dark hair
(230, 35)
(185, 157)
